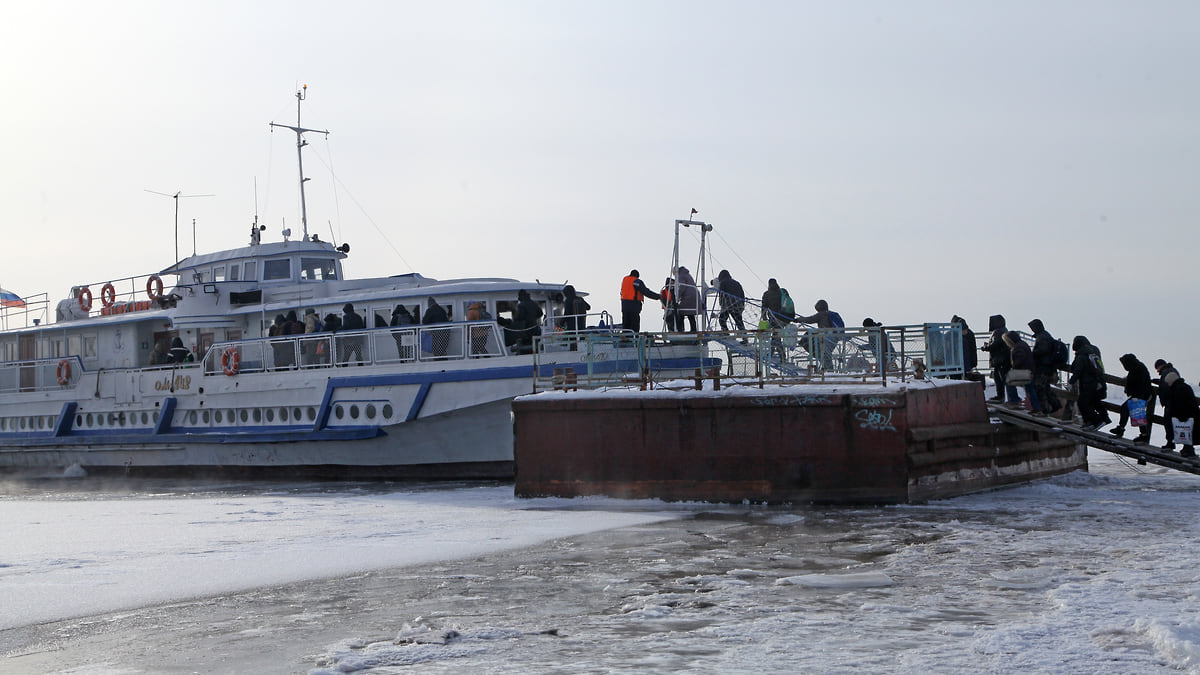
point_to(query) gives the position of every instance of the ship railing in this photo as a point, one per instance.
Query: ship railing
(40, 374)
(34, 310)
(402, 344)
(788, 354)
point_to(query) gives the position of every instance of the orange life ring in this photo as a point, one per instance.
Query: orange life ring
(85, 299)
(154, 287)
(108, 295)
(63, 373)
(230, 360)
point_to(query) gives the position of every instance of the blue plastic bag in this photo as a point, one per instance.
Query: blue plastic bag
(1137, 412)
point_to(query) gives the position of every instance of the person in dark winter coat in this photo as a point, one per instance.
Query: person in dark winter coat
(1137, 386)
(633, 293)
(401, 316)
(772, 305)
(970, 356)
(826, 342)
(1045, 370)
(1000, 360)
(439, 340)
(688, 298)
(1165, 369)
(575, 310)
(292, 325)
(732, 301)
(1087, 374)
(1021, 358)
(179, 353)
(352, 346)
(1180, 399)
(527, 318)
(670, 306)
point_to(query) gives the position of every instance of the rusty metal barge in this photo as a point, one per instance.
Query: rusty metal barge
(827, 442)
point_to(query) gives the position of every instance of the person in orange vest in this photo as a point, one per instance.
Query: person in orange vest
(633, 291)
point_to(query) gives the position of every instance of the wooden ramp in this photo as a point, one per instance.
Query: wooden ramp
(1101, 440)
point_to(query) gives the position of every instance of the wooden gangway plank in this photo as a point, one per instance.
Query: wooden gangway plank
(1101, 440)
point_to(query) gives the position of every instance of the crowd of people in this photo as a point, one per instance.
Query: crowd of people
(1015, 363)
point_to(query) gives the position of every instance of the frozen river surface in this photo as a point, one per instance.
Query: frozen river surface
(1092, 572)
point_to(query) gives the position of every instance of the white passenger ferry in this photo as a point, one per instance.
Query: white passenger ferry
(87, 387)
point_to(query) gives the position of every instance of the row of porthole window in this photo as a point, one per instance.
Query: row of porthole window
(30, 423)
(353, 411)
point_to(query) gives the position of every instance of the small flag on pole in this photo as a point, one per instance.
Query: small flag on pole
(694, 212)
(10, 299)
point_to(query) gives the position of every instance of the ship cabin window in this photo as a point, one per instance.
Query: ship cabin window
(506, 309)
(475, 310)
(219, 273)
(89, 346)
(8, 351)
(318, 269)
(202, 276)
(383, 317)
(234, 268)
(73, 345)
(275, 270)
(251, 271)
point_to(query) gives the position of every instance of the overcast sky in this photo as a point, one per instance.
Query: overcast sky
(906, 161)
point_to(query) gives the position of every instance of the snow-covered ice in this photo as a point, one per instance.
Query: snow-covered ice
(1090, 572)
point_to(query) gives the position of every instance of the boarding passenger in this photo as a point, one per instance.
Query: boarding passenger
(401, 316)
(1021, 373)
(1164, 369)
(439, 339)
(1139, 393)
(575, 310)
(970, 356)
(688, 299)
(160, 354)
(670, 306)
(1000, 360)
(1087, 374)
(1046, 362)
(1180, 399)
(827, 319)
(732, 300)
(633, 293)
(527, 318)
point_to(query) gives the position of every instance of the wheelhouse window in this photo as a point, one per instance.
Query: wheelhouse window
(318, 269)
(233, 271)
(89, 346)
(274, 270)
(219, 273)
(251, 271)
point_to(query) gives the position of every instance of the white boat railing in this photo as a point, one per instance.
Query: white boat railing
(40, 374)
(406, 344)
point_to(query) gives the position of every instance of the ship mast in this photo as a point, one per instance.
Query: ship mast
(300, 143)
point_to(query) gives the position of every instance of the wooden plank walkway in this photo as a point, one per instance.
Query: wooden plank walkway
(1101, 440)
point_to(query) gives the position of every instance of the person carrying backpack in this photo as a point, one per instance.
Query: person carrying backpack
(1087, 374)
(1049, 354)
(825, 318)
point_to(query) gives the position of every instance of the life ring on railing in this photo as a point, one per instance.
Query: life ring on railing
(108, 295)
(85, 299)
(154, 287)
(63, 372)
(230, 360)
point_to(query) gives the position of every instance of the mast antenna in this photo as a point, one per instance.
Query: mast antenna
(300, 143)
(176, 197)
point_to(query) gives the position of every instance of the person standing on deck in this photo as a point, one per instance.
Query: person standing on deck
(689, 299)
(732, 300)
(633, 293)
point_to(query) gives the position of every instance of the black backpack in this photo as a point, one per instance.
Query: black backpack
(1061, 354)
